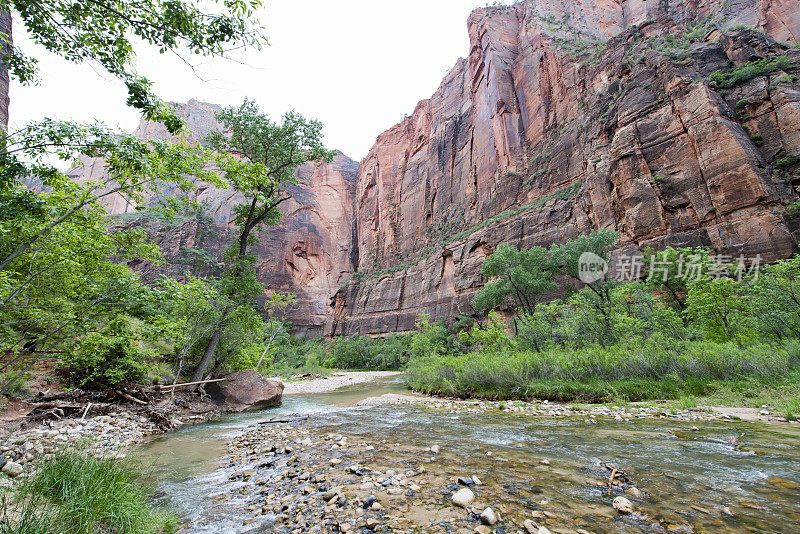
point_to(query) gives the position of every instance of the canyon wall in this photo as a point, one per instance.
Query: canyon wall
(564, 117)
(572, 116)
(308, 253)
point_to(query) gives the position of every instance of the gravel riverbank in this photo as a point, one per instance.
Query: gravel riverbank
(331, 383)
(23, 441)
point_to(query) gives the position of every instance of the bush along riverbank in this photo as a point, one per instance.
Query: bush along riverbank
(695, 325)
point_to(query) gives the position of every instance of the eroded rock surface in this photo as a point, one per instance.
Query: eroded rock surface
(244, 390)
(567, 117)
(563, 118)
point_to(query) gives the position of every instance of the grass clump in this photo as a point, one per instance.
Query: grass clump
(76, 493)
(629, 371)
(750, 70)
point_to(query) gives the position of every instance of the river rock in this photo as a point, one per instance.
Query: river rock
(482, 529)
(12, 469)
(372, 523)
(463, 497)
(465, 481)
(633, 491)
(531, 528)
(489, 517)
(331, 493)
(435, 449)
(623, 505)
(246, 390)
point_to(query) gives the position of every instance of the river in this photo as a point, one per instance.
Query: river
(688, 475)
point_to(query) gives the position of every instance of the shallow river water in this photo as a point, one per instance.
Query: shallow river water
(688, 475)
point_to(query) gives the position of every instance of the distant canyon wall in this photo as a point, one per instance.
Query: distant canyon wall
(308, 253)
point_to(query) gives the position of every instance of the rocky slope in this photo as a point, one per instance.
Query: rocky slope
(673, 123)
(569, 116)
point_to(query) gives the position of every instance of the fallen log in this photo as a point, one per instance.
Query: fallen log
(130, 397)
(74, 394)
(173, 386)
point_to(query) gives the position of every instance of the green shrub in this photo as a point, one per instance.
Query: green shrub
(787, 161)
(750, 70)
(111, 356)
(359, 352)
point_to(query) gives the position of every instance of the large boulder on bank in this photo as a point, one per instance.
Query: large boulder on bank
(246, 390)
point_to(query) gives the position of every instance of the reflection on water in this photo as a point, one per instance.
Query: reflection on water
(690, 474)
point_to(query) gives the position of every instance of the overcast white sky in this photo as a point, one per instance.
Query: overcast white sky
(357, 65)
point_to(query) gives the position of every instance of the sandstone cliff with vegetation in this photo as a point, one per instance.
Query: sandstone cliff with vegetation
(671, 123)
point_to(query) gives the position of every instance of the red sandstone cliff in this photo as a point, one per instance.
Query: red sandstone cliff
(569, 116)
(307, 254)
(565, 117)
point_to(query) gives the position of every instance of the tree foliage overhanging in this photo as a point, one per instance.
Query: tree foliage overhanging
(106, 32)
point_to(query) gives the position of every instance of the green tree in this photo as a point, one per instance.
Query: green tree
(133, 167)
(518, 278)
(774, 296)
(670, 269)
(568, 259)
(493, 337)
(429, 338)
(105, 32)
(261, 158)
(275, 327)
(717, 308)
(59, 250)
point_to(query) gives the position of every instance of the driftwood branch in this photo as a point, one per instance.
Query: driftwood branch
(173, 386)
(129, 397)
(290, 419)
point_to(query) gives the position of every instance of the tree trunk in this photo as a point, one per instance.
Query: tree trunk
(5, 49)
(208, 355)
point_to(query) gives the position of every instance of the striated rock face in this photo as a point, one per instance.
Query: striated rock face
(308, 254)
(565, 117)
(571, 116)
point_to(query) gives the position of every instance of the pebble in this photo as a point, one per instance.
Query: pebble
(634, 492)
(435, 449)
(465, 481)
(369, 501)
(463, 497)
(623, 505)
(12, 469)
(476, 480)
(489, 517)
(531, 528)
